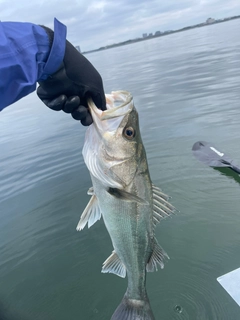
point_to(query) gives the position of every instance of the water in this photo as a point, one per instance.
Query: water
(186, 87)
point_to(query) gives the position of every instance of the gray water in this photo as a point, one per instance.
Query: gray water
(186, 87)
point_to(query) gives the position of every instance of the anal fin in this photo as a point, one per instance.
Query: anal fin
(113, 264)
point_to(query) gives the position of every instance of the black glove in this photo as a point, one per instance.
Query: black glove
(69, 88)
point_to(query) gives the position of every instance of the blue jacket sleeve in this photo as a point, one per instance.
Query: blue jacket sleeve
(26, 57)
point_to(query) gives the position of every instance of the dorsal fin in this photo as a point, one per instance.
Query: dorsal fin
(157, 257)
(161, 207)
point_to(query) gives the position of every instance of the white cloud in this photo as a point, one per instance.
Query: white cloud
(96, 7)
(92, 24)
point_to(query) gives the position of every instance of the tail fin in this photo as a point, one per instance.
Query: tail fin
(130, 309)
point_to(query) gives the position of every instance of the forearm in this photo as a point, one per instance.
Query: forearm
(26, 56)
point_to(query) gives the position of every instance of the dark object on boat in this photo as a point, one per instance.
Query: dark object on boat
(207, 153)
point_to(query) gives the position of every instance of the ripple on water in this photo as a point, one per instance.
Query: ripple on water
(190, 295)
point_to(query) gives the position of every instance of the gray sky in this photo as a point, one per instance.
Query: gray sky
(95, 23)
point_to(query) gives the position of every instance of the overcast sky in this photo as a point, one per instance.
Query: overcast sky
(95, 23)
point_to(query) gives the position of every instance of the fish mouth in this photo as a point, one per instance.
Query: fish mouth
(119, 104)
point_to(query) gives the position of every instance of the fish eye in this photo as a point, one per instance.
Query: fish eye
(129, 133)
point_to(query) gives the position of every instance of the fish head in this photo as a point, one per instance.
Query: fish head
(113, 144)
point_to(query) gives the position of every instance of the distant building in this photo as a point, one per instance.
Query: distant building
(78, 48)
(210, 20)
(144, 35)
(157, 33)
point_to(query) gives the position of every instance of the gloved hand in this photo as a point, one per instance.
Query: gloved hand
(69, 87)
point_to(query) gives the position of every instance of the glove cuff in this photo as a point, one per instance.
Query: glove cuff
(57, 41)
(50, 34)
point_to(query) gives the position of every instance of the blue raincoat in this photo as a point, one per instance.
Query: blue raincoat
(26, 57)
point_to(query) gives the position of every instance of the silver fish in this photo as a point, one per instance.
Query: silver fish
(124, 195)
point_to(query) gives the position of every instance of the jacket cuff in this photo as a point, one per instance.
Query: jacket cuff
(57, 41)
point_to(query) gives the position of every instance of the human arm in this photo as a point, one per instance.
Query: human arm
(24, 50)
(30, 53)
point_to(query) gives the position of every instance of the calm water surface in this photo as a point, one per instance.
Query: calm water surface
(186, 88)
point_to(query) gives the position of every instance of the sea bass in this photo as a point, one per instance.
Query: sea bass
(125, 197)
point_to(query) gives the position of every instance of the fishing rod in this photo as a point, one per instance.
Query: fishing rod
(207, 153)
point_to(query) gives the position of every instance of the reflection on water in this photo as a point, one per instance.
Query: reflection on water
(229, 173)
(186, 88)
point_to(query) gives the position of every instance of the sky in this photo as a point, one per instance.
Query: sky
(95, 23)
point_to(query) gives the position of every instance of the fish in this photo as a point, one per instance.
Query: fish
(125, 197)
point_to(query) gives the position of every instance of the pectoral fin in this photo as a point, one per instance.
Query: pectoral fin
(113, 264)
(125, 196)
(157, 257)
(91, 213)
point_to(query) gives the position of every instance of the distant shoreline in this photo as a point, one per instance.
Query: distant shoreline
(166, 33)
